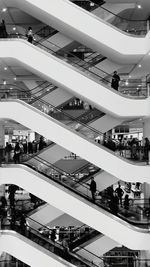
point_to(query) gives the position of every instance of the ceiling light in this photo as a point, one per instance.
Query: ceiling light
(4, 82)
(4, 9)
(5, 68)
(11, 88)
(139, 65)
(130, 76)
(15, 78)
(91, 4)
(14, 28)
(139, 6)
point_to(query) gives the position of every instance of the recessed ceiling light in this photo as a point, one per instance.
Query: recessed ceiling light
(14, 28)
(139, 6)
(4, 82)
(91, 4)
(5, 68)
(4, 9)
(11, 88)
(15, 78)
(130, 76)
(139, 65)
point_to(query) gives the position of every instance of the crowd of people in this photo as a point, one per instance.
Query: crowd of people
(14, 153)
(131, 144)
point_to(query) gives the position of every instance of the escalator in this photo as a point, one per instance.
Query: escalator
(91, 91)
(80, 142)
(120, 48)
(89, 239)
(100, 217)
(36, 247)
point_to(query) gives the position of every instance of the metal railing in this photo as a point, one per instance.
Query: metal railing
(94, 72)
(130, 26)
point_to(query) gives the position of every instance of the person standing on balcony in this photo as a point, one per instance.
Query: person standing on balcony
(93, 188)
(3, 31)
(115, 81)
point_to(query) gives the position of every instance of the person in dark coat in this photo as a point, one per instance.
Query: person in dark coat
(93, 188)
(30, 35)
(126, 202)
(115, 81)
(3, 32)
(120, 193)
(114, 204)
(17, 153)
(146, 149)
(23, 224)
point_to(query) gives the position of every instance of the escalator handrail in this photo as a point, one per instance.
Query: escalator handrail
(53, 52)
(84, 196)
(55, 243)
(58, 169)
(116, 15)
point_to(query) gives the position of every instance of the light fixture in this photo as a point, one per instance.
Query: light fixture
(5, 68)
(91, 4)
(139, 6)
(15, 78)
(139, 65)
(4, 9)
(4, 82)
(14, 28)
(130, 76)
(126, 83)
(11, 88)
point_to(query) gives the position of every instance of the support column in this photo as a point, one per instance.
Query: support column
(144, 255)
(146, 128)
(146, 133)
(2, 145)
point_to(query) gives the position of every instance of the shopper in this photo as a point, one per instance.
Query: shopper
(3, 31)
(30, 35)
(8, 149)
(114, 203)
(115, 81)
(146, 149)
(93, 188)
(11, 191)
(120, 193)
(17, 153)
